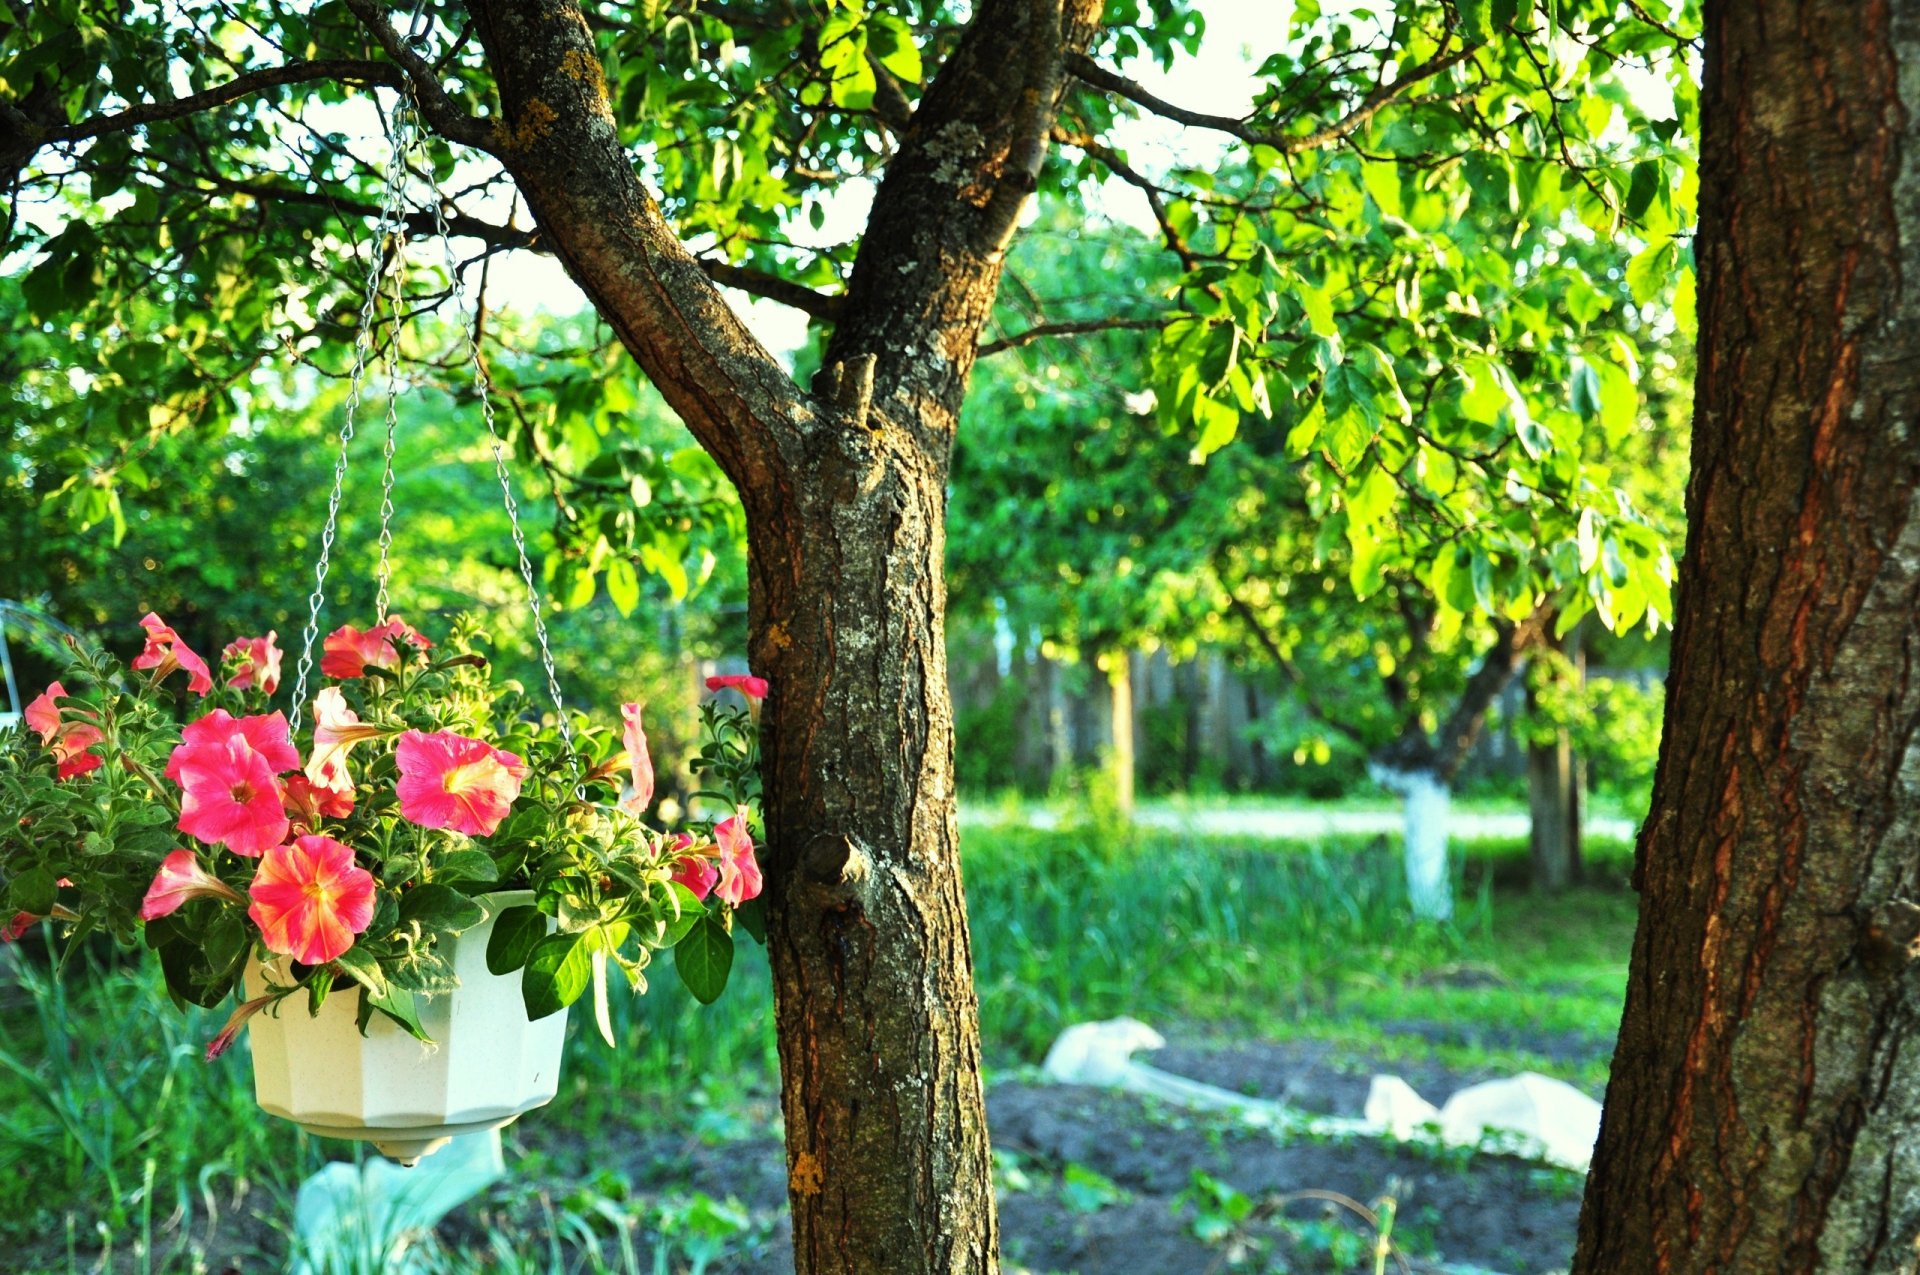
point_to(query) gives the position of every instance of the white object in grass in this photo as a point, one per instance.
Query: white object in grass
(377, 1216)
(1529, 1115)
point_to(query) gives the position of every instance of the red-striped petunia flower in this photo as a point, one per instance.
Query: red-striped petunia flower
(165, 652)
(235, 1021)
(310, 899)
(739, 870)
(452, 781)
(639, 760)
(255, 663)
(754, 688)
(229, 796)
(180, 879)
(307, 802)
(348, 651)
(67, 740)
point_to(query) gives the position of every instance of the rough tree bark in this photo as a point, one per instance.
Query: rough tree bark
(1766, 1088)
(844, 487)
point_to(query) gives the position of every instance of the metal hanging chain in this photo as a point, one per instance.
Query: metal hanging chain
(383, 573)
(484, 384)
(388, 246)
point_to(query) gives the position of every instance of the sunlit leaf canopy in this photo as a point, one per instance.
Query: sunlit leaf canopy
(1428, 257)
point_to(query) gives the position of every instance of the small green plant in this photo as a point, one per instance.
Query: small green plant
(1084, 1191)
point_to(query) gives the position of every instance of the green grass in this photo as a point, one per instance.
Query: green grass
(113, 1131)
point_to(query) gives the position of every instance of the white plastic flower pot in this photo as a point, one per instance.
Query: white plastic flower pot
(487, 1065)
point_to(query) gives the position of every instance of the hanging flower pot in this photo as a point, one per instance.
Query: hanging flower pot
(406, 895)
(489, 1062)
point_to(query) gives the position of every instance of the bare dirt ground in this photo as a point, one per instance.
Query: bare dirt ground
(1095, 1182)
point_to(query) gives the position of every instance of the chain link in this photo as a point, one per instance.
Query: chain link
(383, 573)
(388, 245)
(484, 384)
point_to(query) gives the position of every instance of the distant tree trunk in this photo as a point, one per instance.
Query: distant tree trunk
(1553, 787)
(1120, 757)
(1765, 1094)
(1426, 804)
(1421, 768)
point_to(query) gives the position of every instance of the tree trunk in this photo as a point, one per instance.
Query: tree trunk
(1120, 759)
(878, 1027)
(1765, 1091)
(1553, 830)
(1426, 804)
(1553, 786)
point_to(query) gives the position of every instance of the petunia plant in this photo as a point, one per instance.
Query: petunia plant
(187, 813)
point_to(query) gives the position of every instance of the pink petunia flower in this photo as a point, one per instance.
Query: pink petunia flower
(255, 662)
(754, 688)
(68, 741)
(310, 899)
(165, 652)
(739, 870)
(230, 797)
(696, 871)
(639, 759)
(307, 802)
(336, 729)
(265, 733)
(180, 879)
(451, 781)
(238, 1019)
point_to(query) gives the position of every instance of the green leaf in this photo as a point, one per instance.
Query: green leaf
(467, 865)
(1651, 270)
(704, 958)
(1644, 186)
(1218, 423)
(515, 933)
(359, 966)
(892, 43)
(623, 585)
(601, 1018)
(440, 907)
(397, 1003)
(1476, 20)
(752, 917)
(557, 973)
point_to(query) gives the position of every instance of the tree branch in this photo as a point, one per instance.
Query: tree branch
(1075, 327)
(761, 283)
(1086, 69)
(1295, 677)
(447, 119)
(343, 70)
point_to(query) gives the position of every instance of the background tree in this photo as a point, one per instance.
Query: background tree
(202, 165)
(1764, 1092)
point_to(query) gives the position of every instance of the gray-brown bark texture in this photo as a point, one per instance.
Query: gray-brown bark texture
(1766, 1089)
(844, 486)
